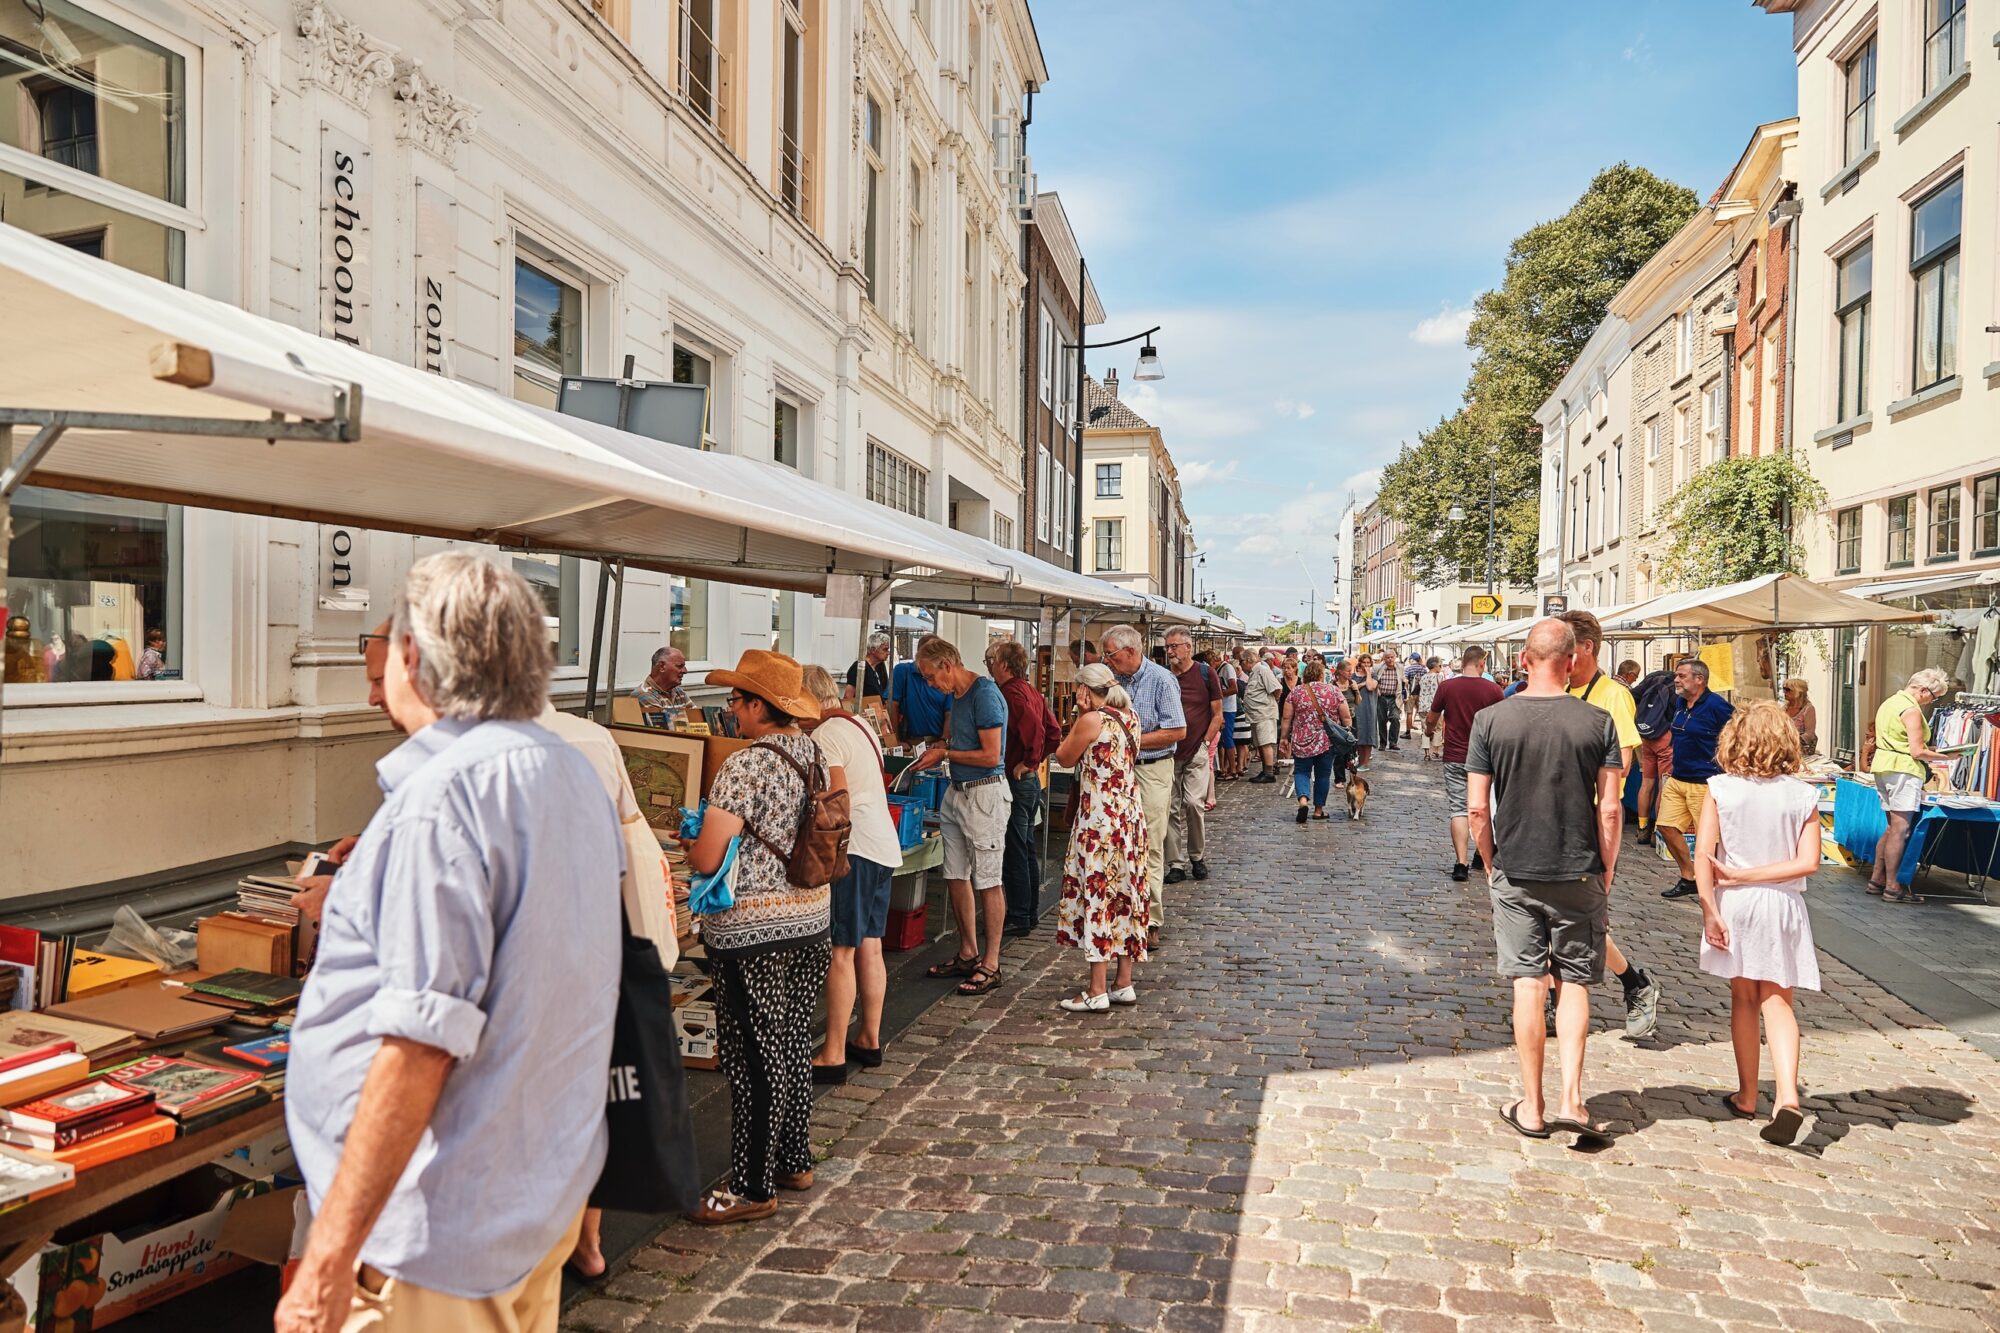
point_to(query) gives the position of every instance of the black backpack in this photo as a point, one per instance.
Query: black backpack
(1653, 705)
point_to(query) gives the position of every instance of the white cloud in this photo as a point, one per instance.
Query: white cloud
(1293, 411)
(1447, 328)
(1204, 470)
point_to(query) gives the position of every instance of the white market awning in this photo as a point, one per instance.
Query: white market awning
(431, 456)
(1772, 602)
(1896, 589)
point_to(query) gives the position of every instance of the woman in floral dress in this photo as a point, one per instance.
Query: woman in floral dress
(1104, 910)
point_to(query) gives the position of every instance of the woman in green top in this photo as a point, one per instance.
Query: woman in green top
(1902, 751)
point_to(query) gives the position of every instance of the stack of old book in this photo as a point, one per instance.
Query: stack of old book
(26, 1177)
(88, 1124)
(24, 1033)
(268, 898)
(195, 1094)
(264, 1058)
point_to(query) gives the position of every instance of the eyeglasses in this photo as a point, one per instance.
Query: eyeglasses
(736, 698)
(367, 639)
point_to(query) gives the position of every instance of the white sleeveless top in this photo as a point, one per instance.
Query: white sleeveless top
(1761, 819)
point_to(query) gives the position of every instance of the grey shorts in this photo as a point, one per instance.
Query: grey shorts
(1542, 927)
(1455, 797)
(1900, 793)
(974, 823)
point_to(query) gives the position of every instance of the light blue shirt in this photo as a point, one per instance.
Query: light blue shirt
(982, 708)
(1156, 698)
(478, 914)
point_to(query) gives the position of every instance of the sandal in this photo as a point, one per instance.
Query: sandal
(794, 1180)
(1874, 890)
(1784, 1127)
(1901, 896)
(1728, 1100)
(1585, 1133)
(1512, 1115)
(719, 1208)
(983, 979)
(957, 967)
(1319, 812)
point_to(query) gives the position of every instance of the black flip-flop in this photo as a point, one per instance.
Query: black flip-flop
(1511, 1115)
(1728, 1100)
(1584, 1133)
(1784, 1126)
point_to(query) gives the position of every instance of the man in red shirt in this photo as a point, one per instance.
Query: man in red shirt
(1457, 702)
(1032, 736)
(1201, 702)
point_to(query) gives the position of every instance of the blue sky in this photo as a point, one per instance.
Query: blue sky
(1308, 195)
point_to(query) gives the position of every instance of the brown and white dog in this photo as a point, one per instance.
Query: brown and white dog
(1357, 796)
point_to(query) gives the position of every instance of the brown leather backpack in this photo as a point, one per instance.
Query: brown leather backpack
(818, 854)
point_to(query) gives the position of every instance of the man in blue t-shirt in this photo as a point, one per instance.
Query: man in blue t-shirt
(1696, 727)
(916, 710)
(974, 814)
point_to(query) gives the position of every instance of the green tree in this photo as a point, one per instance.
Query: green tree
(1215, 608)
(1733, 521)
(1560, 278)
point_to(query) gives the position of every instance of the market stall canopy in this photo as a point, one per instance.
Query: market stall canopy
(1026, 582)
(1925, 584)
(1517, 630)
(428, 455)
(1771, 602)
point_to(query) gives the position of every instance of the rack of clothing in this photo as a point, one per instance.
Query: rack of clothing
(1969, 720)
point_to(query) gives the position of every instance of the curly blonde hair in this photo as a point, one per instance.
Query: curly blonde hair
(1760, 742)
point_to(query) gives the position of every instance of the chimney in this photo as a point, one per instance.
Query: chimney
(1111, 381)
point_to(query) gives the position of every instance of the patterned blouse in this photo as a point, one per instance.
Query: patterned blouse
(1311, 703)
(764, 792)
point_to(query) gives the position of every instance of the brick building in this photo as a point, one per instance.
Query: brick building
(1048, 384)
(1757, 204)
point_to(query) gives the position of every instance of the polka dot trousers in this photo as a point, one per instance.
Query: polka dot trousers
(764, 1032)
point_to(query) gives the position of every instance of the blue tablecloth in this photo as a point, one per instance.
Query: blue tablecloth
(1953, 839)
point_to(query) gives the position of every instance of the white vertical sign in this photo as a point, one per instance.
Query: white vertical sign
(436, 274)
(345, 208)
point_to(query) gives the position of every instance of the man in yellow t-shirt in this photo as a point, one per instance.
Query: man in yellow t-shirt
(1588, 682)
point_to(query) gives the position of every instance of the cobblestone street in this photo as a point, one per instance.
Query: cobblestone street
(1297, 1128)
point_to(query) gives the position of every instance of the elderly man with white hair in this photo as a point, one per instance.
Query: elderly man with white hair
(1156, 700)
(1903, 755)
(447, 1117)
(870, 676)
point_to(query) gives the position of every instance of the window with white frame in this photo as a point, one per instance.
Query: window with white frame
(1589, 532)
(1714, 407)
(1109, 480)
(93, 110)
(785, 432)
(1618, 487)
(700, 69)
(1575, 534)
(1944, 503)
(548, 324)
(1110, 544)
(794, 162)
(1934, 236)
(969, 355)
(1858, 79)
(871, 230)
(1653, 439)
(1603, 501)
(1847, 541)
(1042, 492)
(1047, 356)
(1003, 531)
(1902, 540)
(895, 481)
(1059, 503)
(1854, 285)
(1684, 428)
(1684, 345)
(1944, 41)
(1986, 514)
(916, 311)
(691, 366)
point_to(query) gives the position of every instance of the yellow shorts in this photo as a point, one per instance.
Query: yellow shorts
(1680, 805)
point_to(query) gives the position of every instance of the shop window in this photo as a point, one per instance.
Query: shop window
(97, 582)
(1934, 235)
(1902, 538)
(1986, 514)
(90, 96)
(548, 330)
(1847, 541)
(1944, 505)
(895, 481)
(1110, 545)
(1854, 284)
(785, 433)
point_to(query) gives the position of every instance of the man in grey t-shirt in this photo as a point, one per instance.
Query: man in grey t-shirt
(1550, 763)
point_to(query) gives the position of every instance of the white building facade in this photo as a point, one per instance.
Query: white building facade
(798, 203)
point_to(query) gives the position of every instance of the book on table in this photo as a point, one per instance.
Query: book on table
(257, 990)
(80, 1104)
(134, 1138)
(27, 1030)
(212, 1114)
(182, 1087)
(69, 1136)
(26, 1083)
(150, 1010)
(91, 972)
(25, 1177)
(265, 1053)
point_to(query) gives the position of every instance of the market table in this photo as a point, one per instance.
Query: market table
(1965, 839)
(24, 1231)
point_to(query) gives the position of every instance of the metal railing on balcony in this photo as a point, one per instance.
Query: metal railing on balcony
(701, 69)
(795, 179)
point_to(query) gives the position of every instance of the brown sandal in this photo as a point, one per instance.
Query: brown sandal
(720, 1208)
(983, 979)
(957, 967)
(795, 1180)
(1901, 896)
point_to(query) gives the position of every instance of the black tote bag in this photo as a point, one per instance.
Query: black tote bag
(650, 1166)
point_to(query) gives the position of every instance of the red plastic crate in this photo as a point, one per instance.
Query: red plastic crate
(906, 929)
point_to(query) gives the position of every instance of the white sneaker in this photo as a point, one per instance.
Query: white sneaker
(1087, 1004)
(1123, 995)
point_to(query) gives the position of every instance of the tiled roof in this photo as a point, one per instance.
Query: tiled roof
(1107, 412)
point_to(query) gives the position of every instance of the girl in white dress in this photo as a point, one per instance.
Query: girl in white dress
(1758, 841)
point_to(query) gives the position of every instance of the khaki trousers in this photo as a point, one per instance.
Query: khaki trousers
(1156, 798)
(1188, 824)
(532, 1305)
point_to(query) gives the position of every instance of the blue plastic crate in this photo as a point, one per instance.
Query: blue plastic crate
(908, 813)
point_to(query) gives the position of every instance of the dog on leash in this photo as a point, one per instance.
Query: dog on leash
(1357, 796)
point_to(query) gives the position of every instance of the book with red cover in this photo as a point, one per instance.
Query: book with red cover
(93, 1099)
(13, 1057)
(182, 1087)
(81, 1132)
(148, 1133)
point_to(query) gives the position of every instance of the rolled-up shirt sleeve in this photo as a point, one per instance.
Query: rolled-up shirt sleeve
(434, 940)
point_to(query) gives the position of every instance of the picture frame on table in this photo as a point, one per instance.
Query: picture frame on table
(877, 712)
(666, 773)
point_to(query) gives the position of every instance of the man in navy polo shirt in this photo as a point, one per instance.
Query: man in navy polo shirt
(1697, 726)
